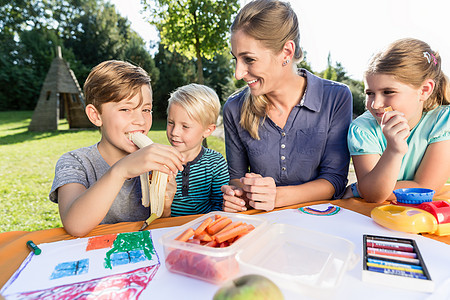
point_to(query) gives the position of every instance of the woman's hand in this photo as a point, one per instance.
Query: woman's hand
(233, 198)
(260, 191)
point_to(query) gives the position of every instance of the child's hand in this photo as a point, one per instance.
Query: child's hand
(233, 198)
(396, 130)
(155, 157)
(171, 190)
(261, 191)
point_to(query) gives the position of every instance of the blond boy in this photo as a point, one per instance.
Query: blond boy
(191, 117)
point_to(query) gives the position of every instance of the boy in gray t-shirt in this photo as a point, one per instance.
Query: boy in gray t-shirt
(100, 184)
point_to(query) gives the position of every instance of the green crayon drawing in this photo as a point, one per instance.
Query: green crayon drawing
(131, 242)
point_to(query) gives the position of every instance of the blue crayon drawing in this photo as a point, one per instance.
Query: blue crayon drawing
(70, 268)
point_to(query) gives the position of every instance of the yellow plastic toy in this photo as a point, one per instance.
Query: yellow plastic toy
(431, 217)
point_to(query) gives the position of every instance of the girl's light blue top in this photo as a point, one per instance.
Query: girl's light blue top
(366, 137)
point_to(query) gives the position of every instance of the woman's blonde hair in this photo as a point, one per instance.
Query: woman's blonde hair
(113, 81)
(412, 61)
(200, 102)
(273, 23)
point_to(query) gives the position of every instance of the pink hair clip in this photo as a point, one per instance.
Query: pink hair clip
(434, 58)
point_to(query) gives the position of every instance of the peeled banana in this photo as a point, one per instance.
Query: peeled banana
(153, 191)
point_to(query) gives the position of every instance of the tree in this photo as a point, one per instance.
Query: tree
(330, 72)
(175, 71)
(194, 28)
(219, 74)
(89, 32)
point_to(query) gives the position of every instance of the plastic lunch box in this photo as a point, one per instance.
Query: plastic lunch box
(293, 257)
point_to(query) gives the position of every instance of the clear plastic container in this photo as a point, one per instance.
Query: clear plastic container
(214, 265)
(302, 260)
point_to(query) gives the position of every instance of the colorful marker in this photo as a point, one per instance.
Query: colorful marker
(33, 247)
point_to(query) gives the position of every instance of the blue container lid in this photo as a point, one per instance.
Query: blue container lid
(414, 195)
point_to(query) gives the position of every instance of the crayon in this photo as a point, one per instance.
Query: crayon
(397, 272)
(400, 259)
(394, 268)
(391, 252)
(394, 264)
(390, 246)
(33, 247)
(389, 240)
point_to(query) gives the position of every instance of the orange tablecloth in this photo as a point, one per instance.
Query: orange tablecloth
(13, 249)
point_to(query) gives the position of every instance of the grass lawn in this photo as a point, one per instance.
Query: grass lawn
(27, 168)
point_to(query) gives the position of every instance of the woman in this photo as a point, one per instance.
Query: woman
(285, 133)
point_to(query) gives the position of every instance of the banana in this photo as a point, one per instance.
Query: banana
(153, 191)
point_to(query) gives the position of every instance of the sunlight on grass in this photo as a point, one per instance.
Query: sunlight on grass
(27, 168)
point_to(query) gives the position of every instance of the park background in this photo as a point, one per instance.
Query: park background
(90, 31)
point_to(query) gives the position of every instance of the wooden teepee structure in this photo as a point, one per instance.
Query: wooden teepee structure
(60, 97)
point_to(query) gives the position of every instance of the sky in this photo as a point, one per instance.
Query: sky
(351, 31)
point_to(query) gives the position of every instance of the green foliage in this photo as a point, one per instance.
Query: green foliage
(193, 28)
(175, 71)
(330, 72)
(89, 32)
(27, 168)
(339, 74)
(219, 75)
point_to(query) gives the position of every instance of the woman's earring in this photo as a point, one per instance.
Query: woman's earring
(286, 62)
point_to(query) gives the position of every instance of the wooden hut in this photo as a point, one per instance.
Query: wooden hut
(61, 97)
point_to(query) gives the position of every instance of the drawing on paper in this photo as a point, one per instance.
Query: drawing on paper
(130, 248)
(121, 286)
(319, 210)
(110, 266)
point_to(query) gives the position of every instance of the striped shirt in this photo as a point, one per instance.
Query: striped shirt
(198, 185)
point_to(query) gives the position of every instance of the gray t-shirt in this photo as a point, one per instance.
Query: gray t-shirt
(85, 166)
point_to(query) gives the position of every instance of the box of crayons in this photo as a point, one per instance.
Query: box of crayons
(396, 262)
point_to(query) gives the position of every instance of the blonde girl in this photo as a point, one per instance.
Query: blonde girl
(403, 139)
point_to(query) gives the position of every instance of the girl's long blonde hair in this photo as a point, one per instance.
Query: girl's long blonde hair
(273, 23)
(412, 61)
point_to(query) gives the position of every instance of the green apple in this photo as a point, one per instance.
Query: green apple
(249, 287)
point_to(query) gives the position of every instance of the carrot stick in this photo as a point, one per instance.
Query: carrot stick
(250, 227)
(216, 221)
(213, 243)
(217, 226)
(221, 237)
(205, 237)
(230, 226)
(187, 234)
(202, 226)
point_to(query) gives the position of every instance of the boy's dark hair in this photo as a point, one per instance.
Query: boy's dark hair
(113, 81)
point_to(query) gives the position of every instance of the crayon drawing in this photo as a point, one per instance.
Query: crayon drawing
(70, 268)
(100, 242)
(109, 267)
(320, 210)
(130, 248)
(120, 286)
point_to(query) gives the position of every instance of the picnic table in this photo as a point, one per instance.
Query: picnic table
(13, 249)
